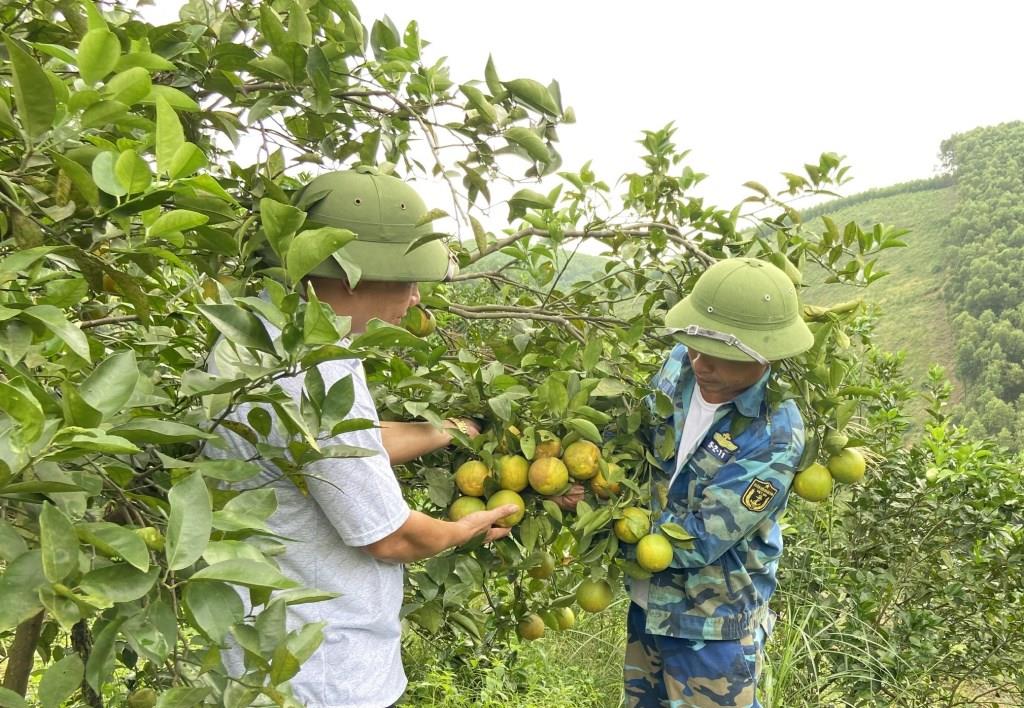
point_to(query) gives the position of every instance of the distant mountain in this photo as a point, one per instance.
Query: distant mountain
(915, 319)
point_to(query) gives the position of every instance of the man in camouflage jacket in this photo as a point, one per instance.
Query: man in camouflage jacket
(726, 462)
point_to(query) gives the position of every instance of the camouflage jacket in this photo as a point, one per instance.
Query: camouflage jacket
(728, 496)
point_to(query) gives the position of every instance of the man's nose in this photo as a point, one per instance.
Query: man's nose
(414, 296)
(700, 363)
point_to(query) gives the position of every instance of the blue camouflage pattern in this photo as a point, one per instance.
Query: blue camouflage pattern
(728, 496)
(671, 672)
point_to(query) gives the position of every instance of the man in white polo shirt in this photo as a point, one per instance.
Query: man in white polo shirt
(353, 530)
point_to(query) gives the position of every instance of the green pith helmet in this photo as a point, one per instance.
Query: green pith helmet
(382, 211)
(742, 309)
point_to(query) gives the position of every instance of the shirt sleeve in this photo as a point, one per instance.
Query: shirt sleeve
(360, 496)
(742, 494)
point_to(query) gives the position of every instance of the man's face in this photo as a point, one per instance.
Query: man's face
(390, 301)
(721, 380)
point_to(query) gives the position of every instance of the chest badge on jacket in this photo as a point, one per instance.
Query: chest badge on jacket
(758, 495)
(721, 446)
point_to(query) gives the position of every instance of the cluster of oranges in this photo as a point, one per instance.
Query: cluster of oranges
(549, 473)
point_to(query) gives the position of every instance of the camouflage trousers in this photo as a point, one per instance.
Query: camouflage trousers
(670, 672)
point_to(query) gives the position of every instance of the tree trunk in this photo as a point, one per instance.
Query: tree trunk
(22, 654)
(81, 642)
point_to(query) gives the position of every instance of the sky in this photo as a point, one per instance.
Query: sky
(754, 88)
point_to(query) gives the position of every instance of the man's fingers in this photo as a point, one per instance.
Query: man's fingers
(497, 532)
(505, 511)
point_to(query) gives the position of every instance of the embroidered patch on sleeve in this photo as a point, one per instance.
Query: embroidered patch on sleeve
(758, 495)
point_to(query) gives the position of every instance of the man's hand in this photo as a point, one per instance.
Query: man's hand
(569, 500)
(472, 525)
(470, 427)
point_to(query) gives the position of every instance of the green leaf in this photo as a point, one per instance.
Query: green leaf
(33, 94)
(498, 92)
(96, 441)
(39, 488)
(145, 60)
(115, 540)
(58, 542)
(311, 248)
(132, 172)
(111, 383)
(338, 402)
(176, 220)
(61, 680)
(12, 544)
(479, 234)
(130, 86)
(229, 470)
(280, 222)
(190, 522)
(213, 608)
(299, 30)
(56, 51)
(10, 699)
(585, 428)
(182, 697)
(676, 531)
(535, 147)
(80, 177)
(169, 135)
(101, 657)
(161, 432)
(531, 200)
(239, 327)
(272, 28)
(19, 589)
(480, 103)
(250, 573)
(534, 94)
(119, 582)
(17, 263)
(176, 99)
(104, 174)
(98, 54)
(317, 327)
(23, 409)
(186, 161)
(53, 319)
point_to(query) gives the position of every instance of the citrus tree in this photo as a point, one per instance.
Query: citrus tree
(132, 228)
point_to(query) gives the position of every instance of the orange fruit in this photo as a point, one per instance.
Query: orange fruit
(513, 472)
(470, 477)
(581, 459)
(594, 595)
(548, 475)
(848, 466)
(634, 524)
(464, 506)
(530, 627)
(503, 497)
(814, 483)
(654, 552)
(548, 448)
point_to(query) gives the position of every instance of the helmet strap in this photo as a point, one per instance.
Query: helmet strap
(731, 339)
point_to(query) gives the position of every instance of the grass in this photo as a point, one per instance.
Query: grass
(576, 668)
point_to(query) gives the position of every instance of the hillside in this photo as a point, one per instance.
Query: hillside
(914, 314)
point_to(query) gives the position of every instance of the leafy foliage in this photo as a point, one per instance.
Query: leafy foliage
(131, 240)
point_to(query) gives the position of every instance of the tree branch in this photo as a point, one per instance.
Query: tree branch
(472, 314)
(21, 656)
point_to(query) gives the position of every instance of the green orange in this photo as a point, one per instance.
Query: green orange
(503, 497)
(548, 475)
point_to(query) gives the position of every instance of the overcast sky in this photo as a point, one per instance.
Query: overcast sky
(754, 88)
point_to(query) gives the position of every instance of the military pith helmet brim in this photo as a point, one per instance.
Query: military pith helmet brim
(746, 298)
(383, 212)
